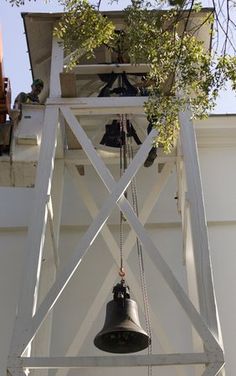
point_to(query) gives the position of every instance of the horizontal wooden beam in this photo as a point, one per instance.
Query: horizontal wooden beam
(110, 157)
(93, 69)
(108, 105)
(114, 361)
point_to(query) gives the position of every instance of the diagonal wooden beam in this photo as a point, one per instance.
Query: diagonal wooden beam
(149, 203)
(213, 369)
(209, 340)
(116, 191)
(67, 272)
(109, 279)
(17, 371)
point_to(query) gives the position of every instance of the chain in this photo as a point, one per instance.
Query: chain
(140, 256)
(126, 151)
(123, 165)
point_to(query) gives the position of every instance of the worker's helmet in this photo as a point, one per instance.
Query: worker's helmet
(38, 82)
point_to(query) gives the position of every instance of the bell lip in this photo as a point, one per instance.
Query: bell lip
(143, 342)
(124, 329)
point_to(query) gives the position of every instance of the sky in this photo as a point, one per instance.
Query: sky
(15, 56)
(16, 59)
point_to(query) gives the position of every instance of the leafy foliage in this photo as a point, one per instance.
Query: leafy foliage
(164, 34)
(82, 29)
(179, 67)
(19, 2)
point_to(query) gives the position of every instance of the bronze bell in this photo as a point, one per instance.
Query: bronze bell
(122, 332)
(114, 136)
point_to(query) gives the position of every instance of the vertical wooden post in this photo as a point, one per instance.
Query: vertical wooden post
(56, 68)
(36, 232)
(42, 342)
(37, 224)
(207, 302)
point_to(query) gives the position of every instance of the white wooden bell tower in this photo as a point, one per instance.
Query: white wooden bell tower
(44, 286)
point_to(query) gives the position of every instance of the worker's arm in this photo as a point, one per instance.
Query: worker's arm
(21, 98)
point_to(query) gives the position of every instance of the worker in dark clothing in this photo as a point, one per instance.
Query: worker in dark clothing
(29, 98)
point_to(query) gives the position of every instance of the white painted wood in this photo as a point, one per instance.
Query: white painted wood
(203, 266)
(185, 227)
(67, 58)
(198, 323)
(145, 211)
(148, 204)
(60, 150)
(52, 232)
(100, 300)
(114, 361)
(109, 106)
(213, 369)
(41, 344)
(103, 291)
(181, 188)
(114, 188)
(16, 371)
(37, 226)
(166, 342)
(170, 279)
(95, 69)
(56, 68)
(96, 161)
(111, 157)
(56, 201)
(31, 122)
(89, 202)
(188, 259)
(191, 275)
(88, 238)
(27, 140)
(97, 305)
(162, 266)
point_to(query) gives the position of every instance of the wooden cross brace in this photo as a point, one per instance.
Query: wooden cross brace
(116, 197)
